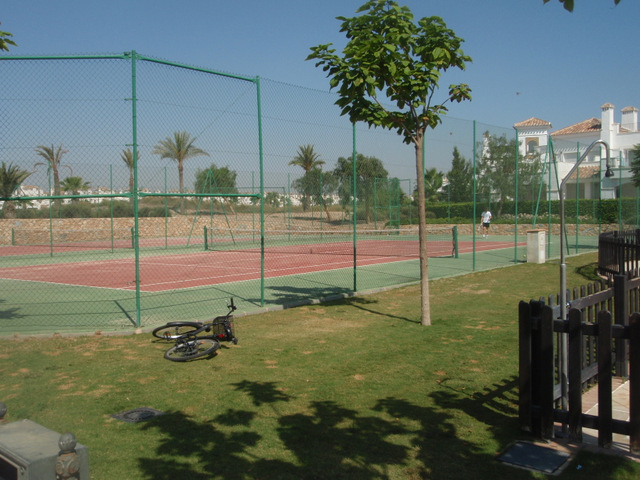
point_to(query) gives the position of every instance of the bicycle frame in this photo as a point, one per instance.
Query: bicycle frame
(197, 339)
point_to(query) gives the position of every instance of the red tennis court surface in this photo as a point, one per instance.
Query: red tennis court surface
(170, 272)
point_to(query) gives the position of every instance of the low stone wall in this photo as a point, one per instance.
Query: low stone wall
(33, 231)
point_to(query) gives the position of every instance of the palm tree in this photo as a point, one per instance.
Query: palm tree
(433, 180)
(74, 185)
(127, 157)
(11, 176)
(309, 160)
(5, 41)
(179, 148)
(53, 157)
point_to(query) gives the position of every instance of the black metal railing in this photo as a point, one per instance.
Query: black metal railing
(618, 252)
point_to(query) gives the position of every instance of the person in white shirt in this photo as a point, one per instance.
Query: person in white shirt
(485, 218)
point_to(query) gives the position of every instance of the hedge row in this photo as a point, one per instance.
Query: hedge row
(604, 211)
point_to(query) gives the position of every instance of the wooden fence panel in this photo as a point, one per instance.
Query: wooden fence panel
(634, 383)
(591, 332)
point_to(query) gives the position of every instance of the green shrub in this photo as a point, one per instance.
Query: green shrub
(76, 210)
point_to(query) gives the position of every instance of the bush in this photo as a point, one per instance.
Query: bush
(152, 212)
(122, 209)
(28, 213)
(76, 210)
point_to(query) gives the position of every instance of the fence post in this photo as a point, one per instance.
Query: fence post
(634, 383)
(546, 372)
(621, 309)
(605, 402)
(575, 374)
(619, 246)
(525, 367)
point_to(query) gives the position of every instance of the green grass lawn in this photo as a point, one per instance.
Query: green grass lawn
(352, 389)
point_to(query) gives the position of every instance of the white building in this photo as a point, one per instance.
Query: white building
(569, 144)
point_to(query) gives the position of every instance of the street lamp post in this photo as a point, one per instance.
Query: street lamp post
(564, 383)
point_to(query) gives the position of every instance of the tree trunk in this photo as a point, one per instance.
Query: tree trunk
(8, 210)
(326, 210)
(56, 186)
(181, 184)
(56, 180)
(422, 232)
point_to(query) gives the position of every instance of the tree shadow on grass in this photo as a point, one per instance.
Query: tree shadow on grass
(366, 305)
(589, 272)
(195, 450)
(497, 408)
(326, 439)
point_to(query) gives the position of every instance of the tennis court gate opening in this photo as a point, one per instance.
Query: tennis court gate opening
(596, 346)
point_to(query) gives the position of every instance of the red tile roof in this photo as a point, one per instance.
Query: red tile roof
(533, 122)
(592, 125)
(586, 173)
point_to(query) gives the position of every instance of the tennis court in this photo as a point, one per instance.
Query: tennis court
(82, 290)
(227, 261)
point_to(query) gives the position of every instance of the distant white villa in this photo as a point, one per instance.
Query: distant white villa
(571, 142)
(34, 191)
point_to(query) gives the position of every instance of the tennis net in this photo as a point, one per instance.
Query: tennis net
(401, 242)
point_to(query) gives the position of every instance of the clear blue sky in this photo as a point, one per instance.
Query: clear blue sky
(529, 58)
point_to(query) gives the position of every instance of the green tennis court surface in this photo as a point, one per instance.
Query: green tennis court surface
(30, 305)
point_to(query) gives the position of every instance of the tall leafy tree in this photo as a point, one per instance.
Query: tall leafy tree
(368, 169)
(460, 178)
(217, 180)
(496, 170)
(53, 157)
(179, 148)
(309, 160)
(273, 199)
(127, 158)
(11, 177)
(315, 186)
(391, 57)
(634, 165)
(74, 185)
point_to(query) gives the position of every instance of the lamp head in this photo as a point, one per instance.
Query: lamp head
(608, 173)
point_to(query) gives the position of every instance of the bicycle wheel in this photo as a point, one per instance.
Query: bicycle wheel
(191, 349)
(173, 330)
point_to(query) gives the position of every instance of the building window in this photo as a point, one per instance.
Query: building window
(532, 145)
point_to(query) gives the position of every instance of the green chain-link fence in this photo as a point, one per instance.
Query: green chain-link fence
(152, 191)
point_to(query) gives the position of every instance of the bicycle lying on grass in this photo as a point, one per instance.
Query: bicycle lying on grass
(197, 339)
